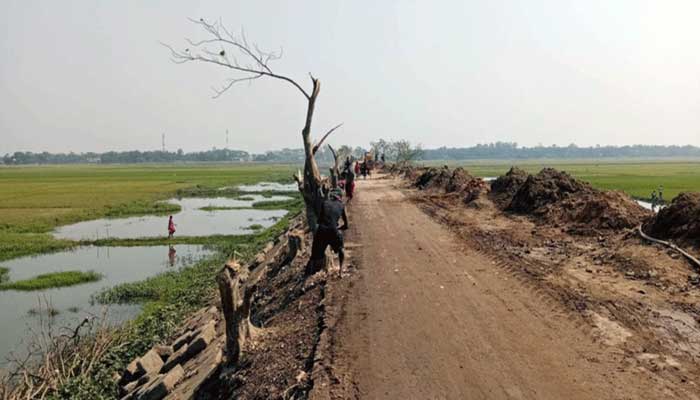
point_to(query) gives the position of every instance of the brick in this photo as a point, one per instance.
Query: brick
(178, 357)
(163, 385)
(182, 340)
(149, 363)
(202, 340)
(132, 372)
(164, 351)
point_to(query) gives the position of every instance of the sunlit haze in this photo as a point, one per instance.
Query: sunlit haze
(92, 76)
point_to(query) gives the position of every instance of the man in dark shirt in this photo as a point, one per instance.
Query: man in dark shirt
(328, 232)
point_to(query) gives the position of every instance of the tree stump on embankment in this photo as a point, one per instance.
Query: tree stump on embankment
(237, 286)
(235, 303)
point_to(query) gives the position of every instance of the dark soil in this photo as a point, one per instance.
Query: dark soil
(559, 199)
(505, 186)
(680, 220)
(433, 178)
(547, 187)
(459, 180)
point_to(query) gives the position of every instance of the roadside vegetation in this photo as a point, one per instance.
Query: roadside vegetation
(134, 190)
(52, 280)
(167, 299)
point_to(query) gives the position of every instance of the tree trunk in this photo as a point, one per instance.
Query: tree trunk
(312, 189)
(235, 304)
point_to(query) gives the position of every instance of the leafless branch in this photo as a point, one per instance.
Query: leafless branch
(256, 64)
(320, 142)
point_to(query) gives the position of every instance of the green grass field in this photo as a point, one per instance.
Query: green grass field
(34, 200)
(52, 280)
(636, 178)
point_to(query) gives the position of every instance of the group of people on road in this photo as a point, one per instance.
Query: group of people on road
(328, 231)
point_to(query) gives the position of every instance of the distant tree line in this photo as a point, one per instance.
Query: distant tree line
(126, 157)
(289, 156)
(506, 150)
(392, 150)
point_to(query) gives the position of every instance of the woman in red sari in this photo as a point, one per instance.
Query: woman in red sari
(171, 227)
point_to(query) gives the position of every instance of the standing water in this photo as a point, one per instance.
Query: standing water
(116, 264)
(271, 186)
(192, 220)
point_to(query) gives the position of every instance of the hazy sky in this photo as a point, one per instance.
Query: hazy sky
(91, 76)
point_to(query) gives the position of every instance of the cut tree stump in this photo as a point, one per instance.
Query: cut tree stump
(236, 296)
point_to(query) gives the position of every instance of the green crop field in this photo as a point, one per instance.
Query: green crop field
(34, 200)
(636, 178)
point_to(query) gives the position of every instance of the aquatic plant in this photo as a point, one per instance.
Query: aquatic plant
(52, 280)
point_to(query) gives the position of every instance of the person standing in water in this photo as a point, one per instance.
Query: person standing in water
(171, 227)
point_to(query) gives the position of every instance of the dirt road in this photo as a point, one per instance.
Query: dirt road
(422, 316)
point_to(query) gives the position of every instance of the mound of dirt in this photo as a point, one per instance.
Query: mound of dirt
(547, 187)
(597, 210)
(433, 178)
(505, 186)
(559, 199)
(459, 180)
(680, 220)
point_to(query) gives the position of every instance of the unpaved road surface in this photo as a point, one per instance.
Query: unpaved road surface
(420, 315)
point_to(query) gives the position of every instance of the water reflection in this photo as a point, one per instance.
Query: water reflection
(191, 221)
(273, 186)
(171, 255)
(116, 264)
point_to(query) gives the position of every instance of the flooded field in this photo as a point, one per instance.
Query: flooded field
(647, 205)
(21, 311)
(265, 186)
(192, 220)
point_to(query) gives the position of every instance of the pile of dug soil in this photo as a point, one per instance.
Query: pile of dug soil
(680, 220)
(547, 187)
(450, 181)
(559, 199)
(459, 180)
(597, 210)
(409, 172)
(433, 178)
(505, 186)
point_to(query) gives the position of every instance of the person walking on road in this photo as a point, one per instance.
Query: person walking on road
(349, 182)
(328, 233)
(171, 227)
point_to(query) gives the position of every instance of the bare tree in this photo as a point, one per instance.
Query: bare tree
(406, 153)
(249, 63)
